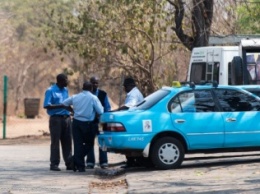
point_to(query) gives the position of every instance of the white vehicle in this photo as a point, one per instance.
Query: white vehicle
(228, 65)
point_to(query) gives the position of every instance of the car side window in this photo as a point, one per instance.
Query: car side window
(193, 101)
(204, 101)
(236, 101)
(183, 102)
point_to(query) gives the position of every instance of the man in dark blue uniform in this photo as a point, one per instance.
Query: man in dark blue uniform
(103, 97)
(59, 122)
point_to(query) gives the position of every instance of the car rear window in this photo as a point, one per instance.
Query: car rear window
(152, 99)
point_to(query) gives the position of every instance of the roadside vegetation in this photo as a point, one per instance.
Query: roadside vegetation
(150, 40)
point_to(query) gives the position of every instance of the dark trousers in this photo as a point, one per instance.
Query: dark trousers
(91, 154)
(60, 132)
(83, 137)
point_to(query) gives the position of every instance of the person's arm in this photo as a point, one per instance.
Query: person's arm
(56, 106)
(67, 104)
(48, 101)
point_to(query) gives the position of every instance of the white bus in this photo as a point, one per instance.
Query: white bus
(228, 65)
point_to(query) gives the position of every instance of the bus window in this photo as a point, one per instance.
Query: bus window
(204, 71)
(197, 72)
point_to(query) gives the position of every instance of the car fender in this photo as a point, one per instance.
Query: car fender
(146, 150)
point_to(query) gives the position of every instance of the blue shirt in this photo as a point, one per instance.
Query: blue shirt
(107, 106)
(56, 95)
(85, 106)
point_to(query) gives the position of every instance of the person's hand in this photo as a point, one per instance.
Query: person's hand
(69, 108)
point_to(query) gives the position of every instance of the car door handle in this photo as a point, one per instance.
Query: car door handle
(231, 119)
(179, 121)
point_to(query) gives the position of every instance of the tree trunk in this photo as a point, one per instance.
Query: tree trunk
(201, 20)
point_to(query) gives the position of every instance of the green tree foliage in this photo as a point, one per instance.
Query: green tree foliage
(249, 17)
(119, 36)
(23, 58)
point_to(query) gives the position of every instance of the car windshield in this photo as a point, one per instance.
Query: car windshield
(152, 99)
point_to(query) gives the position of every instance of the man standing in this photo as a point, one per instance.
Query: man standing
(59, 122)
(133, 98)
(102, 96)
(86, 106)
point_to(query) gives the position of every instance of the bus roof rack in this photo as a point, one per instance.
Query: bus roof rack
(190, 84)
(214, 83)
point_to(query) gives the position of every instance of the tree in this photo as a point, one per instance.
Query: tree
(225, 17)
(23, 58)
(248, 17)
(117, 36)
(199, 21)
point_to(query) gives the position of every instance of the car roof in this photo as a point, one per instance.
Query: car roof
(248, 86)
(207, 86)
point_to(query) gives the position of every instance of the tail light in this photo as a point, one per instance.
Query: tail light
(115, 127)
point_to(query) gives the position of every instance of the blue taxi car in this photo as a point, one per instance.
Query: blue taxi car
(175, 121)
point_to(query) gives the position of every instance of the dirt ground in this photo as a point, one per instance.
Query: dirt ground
(20, 135)
(28, 139)
(201, 173)
(24, 131)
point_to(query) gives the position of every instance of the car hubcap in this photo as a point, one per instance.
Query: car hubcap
(169, 153)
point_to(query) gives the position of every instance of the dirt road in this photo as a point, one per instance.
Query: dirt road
(25, 169)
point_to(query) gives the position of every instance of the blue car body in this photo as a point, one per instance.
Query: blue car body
(212, 125)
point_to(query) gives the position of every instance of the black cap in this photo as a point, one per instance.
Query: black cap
(129, 81)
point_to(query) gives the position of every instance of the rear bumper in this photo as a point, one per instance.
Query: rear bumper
(130, 144)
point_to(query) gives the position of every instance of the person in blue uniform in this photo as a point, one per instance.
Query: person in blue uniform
(103, 97)
(59, 122)
(85, 107)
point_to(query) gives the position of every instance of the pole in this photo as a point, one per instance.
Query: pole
(5, 106)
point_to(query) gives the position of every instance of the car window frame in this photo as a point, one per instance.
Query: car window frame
(243, 91)
(169, 106)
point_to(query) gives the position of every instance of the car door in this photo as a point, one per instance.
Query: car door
(241, 116)
(194, 114)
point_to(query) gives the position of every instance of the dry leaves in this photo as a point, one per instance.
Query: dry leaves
(117, 186)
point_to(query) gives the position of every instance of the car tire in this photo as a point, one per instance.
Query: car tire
(167, 153)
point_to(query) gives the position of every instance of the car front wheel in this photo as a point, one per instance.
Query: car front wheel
(167, 153)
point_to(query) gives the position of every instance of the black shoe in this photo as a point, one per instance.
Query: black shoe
(74, 168)
(70, 164)
(104, 166)
(55, 168)
(81, 170)
(69, 168)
